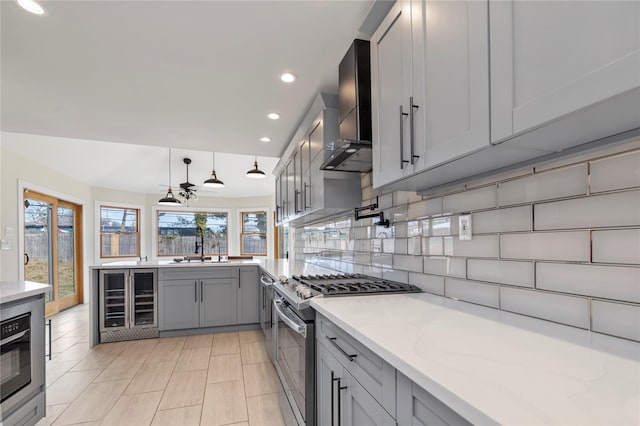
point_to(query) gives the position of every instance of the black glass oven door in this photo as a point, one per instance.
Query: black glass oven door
(15, 356)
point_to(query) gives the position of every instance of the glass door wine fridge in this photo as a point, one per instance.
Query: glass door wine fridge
(128, 304)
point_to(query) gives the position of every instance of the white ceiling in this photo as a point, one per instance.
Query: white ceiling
(142, 168)
(195, 75)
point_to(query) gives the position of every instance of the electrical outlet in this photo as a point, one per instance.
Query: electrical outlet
(464, 224)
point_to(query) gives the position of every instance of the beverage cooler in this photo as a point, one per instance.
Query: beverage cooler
(128, 304)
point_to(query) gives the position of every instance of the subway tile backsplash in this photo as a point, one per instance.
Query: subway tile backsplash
(556, 242)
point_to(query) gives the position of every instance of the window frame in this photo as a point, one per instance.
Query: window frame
(138, 233)
(265, 233)
(193, 210)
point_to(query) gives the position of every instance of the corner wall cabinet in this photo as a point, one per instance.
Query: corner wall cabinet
(467, 87)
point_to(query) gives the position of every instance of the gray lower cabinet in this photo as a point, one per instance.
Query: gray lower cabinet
(208, 297)
(218, 301)
(341, 399)
(417, 407)
(249, 295)
(178, 304)
(354, 387)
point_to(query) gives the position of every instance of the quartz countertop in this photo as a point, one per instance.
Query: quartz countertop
(16, 290)
(494, 367)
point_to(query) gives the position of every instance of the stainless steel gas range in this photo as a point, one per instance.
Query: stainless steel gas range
(294, 329)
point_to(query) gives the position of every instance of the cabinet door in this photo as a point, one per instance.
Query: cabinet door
(316, 143)
(248, 296)
(305, 170)
(450, 80)
(552, 58)
(360, 408)
(178, 304)
(284, 203)
(291, 189)
(278, 201)
(218, 302)
(328, 373)
(390, 75)
(417, 407)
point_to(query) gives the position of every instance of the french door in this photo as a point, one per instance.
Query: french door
(53, 250)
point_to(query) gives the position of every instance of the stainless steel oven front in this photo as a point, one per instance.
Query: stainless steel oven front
(294, 343)
(21, 354)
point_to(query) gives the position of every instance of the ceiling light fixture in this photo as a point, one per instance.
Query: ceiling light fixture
(188, 191)
(256, 173)
(287, 77)
(273, 116)
(265, 139)
(31, 6)
(213, 181)
(169, 199)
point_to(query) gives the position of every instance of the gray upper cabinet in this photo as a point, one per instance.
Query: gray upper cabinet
(464, 88)
(551, 59)
(278, 200)
(313, 193)
(249, 296)
(218, 302)
(430, 86)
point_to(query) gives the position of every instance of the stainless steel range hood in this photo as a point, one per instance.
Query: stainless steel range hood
(352, 152)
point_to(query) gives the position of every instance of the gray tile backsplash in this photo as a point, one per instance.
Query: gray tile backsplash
(556, 243)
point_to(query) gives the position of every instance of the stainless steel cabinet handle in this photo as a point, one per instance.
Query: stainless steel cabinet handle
(306, 185)
(411, 114)
(292, 323)
(298, 194)
(402, 160)
(342, 351)
(195, 291)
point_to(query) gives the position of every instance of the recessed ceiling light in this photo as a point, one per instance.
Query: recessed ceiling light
(273, 116)
(350, 150)
(287, 77)
(31, 6)
(265, 139)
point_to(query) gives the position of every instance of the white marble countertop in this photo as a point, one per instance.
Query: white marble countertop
(16, 290)
(495, 367)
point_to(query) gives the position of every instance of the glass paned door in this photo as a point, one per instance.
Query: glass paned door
(38, 244)
(53, 248)
(66, 269)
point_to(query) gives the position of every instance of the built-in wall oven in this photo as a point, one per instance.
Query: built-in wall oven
(294, 343)
(21, 359)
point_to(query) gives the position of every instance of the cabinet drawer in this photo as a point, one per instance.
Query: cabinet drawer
(197, 273)
(376, 375)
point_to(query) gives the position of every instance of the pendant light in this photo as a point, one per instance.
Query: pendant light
(256, 173)
(213, 181)
(169, 199)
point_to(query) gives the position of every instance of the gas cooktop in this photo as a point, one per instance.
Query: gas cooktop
(307, 286)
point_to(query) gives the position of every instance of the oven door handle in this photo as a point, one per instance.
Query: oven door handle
(294, 323)
(264, 281)
(13, 338)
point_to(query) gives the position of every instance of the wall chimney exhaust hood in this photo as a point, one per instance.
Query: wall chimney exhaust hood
(352, 152)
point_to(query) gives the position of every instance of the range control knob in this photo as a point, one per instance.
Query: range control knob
(303, 291)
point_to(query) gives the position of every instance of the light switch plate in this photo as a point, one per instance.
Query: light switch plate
(8, 231)
(6, 244)
(464, 225)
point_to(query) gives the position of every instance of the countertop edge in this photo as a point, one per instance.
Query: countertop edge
(22, 293)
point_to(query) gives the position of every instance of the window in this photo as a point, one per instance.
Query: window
(119, 232)
(178, 232)
(253, 238)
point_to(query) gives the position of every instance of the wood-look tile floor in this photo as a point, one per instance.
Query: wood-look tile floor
(211, 379)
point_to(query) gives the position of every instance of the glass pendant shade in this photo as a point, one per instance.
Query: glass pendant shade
(256, 173)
